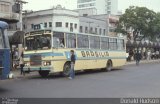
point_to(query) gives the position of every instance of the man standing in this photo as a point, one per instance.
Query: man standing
(73, 60)
(21, 63)
(138, 57)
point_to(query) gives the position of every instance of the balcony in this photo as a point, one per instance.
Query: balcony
(9, 17)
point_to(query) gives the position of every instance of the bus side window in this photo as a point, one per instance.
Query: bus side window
(70, 40)
(58, 40)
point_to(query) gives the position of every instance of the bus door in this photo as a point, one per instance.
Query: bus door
(4, 55)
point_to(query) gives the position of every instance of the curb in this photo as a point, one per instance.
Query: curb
(143, 62)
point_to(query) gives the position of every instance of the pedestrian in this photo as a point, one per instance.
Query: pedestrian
(21, 63)
(73, 60)
(138, 57)
(157, 54)
(148, 55)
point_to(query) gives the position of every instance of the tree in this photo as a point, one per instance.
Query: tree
(140, 19)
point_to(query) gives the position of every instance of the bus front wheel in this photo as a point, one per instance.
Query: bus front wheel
(66, 69)
(44, 73)
(109, 65)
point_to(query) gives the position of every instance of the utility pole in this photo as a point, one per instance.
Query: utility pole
(20, 2)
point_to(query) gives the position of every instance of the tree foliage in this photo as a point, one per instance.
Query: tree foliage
(141, 20)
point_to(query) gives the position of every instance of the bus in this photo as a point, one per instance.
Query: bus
(48, 51)
(4, 51)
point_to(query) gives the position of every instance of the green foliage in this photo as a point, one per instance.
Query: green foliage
(141, 20)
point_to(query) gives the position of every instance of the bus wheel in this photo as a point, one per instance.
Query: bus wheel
(44, 73)
(109, 65)
(66, 69)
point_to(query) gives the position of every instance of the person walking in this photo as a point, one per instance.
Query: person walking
(21, 63)
(138, 57)
(73, 60)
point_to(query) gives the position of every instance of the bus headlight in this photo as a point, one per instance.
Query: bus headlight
(46, 63)
(27, 64)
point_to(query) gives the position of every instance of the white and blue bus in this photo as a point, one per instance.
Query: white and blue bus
(4, 51)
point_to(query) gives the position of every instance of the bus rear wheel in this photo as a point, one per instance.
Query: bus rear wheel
(109, 65)
(66, 69)
(43, 73)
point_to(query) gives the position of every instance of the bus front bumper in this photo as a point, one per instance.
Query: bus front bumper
(44, 68)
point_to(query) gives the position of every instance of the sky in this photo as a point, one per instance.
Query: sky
(72, 4)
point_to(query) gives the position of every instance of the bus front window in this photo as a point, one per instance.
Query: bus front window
(38, 42)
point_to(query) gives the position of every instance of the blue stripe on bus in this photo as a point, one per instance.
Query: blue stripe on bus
(100, 50)
(44, 54)
(89, 58)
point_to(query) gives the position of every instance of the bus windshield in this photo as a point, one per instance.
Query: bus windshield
(38, 42)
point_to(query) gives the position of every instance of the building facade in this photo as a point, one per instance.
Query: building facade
(61, 19)
(98, 6)
(10, 13)
(7, 13)
(57, 19)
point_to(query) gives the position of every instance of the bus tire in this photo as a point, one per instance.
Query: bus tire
(109, 65)
(66, 69)
(43, 73)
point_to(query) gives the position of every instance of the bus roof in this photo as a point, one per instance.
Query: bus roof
(3, 25)
(43, 30)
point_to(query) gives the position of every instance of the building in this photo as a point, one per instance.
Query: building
(57, 19)
(104, 24)
(61, 19)
(7, 13)
(96, 7)
(10, 12)
(93, 25)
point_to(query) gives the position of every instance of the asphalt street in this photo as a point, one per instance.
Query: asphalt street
(130, 81)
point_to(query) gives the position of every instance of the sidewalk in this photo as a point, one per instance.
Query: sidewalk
(16, 74)
(143, 62)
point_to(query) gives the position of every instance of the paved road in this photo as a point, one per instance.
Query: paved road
(132, 81)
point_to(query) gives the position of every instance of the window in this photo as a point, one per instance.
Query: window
(84, 1)
(70, 40)
(94, 42)
(58, 24)
(104, 31)
(58, 40)
(4, 8)
(120, 44)
(81, 29)
(84, 15)
(83, 41)
(24, 26)
(104, 43)
(86, 29)
(45, 24)
(91, 30)
(50, 24)
(108, 12)
(38, 42)
(66, 24)
(1, 40)
(71, 27)
(96, 30)
(100, 31)
(112, 44)
(37, 26)
(75, 26)
(32, 26)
